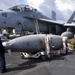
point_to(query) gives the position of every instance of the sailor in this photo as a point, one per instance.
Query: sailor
(2, 58)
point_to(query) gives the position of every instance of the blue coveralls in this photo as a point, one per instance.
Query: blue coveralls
(2, 57)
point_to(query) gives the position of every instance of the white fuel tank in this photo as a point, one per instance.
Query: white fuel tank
(55, 42)
(69, 35)
(34, 43)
